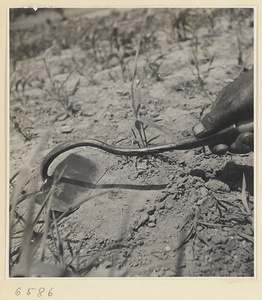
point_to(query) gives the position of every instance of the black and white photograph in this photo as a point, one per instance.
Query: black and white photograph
(131, 142)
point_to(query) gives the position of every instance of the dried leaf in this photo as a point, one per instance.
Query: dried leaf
(244, 195)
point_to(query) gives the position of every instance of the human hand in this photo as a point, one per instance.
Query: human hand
(234, 105)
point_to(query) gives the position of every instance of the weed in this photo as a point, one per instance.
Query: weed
(18, 95)
(58, 90)
(24, 131)
(195, 62)
(140, 125)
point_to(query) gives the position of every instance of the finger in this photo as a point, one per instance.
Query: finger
(243, 144)
(220, 149)
(233, 104)
(245, 126)
(199, 130)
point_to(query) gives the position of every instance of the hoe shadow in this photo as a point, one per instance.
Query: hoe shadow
(89, 185)
(80, 175)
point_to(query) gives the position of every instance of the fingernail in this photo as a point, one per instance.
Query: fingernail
(220, 149)
(249, 140)
(199, 129)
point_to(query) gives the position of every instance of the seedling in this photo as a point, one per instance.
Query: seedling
(24, 131)
(59, 91)
(193, 231)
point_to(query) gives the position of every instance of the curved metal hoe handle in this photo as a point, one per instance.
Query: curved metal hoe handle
(224, 136)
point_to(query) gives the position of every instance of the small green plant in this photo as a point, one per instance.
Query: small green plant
(18, 95)
(140, 124)
(121, 48)
(196, 63)
(58, 90)
(154, 66)
(25, 131)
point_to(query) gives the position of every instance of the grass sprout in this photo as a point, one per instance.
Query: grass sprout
(59, 91)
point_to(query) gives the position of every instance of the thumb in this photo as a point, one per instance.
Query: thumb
(203, 129)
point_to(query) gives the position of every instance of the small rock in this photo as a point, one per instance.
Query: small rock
(244, 243)
(154, 114)
(201, 200)
(62, 117)
(140, 172)
(152, 219)
(81, 236)
(171, 112)
(203, 192)
(154, 274)
(185, 133)
(142, 220)
(142, 111)
(199, 184)
(129, 236)
(66, 129)
(169, 205)
(151, 209)
(249, 231)
(107, 264)
(160, 205)
(170, 273)
(217, 186)
(140, 243)
(173, 190)
(167, 248)
(151, 224)
(171, 177)
(198, 173)
(219, 240)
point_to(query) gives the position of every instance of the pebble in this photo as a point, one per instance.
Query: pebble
(203, 192)
(152, 219)
(198, 173)
(142, 220)
(62, 117)
(167, 248)
(171, 177)
(108, 264)
(160, 205)
(169, 205)
(154, 114)
(217, 185)
(199, 183)
(66, 129)
(176, 226)
(129, 237)
(171, 112)
(201, 201)
(142, 111)
(244, 243)
(151, 209)
(140, 243)
(219, 240)
(173, 190)
(170, 273)
(151, 224)
(249, 231)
